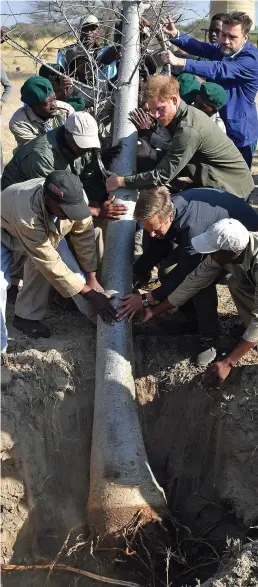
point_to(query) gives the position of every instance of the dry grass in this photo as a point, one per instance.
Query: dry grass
(44, 47)
(11, 60)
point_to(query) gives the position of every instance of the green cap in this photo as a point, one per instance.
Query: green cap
(188, 87)
(35, 90)
(214, 94)
(77, 102)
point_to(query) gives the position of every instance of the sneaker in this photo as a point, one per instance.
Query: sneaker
(32, 328)
(207, 351)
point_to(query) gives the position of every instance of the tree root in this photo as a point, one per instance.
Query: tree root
(60, 567)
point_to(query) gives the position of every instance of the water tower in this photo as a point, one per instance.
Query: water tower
(247, 6)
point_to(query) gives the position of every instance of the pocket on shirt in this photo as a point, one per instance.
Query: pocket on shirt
(237, 129)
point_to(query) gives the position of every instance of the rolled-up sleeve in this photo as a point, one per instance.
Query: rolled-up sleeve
(203, 276)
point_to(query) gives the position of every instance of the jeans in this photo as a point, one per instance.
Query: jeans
(248, 152)
(6, 261)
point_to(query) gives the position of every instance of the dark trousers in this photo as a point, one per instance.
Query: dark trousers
(175, 264)
(248, 153)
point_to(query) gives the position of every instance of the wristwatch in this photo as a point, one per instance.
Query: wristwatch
(145, 301)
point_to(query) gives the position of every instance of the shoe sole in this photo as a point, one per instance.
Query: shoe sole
(32, 334)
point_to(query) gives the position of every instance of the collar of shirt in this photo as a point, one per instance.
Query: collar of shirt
(181, 111)
(53, 223)
(237, 53)
(53, 218)
(34, 118)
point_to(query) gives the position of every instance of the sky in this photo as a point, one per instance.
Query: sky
(197, 9)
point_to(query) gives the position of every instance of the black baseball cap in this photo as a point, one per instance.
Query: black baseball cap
(65, 188)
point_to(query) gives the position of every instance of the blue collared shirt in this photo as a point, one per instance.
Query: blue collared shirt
(238, 75)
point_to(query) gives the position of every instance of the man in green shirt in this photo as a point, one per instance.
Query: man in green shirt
(198, 147)
(70, 147)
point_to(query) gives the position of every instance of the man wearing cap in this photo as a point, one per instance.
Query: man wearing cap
(89, 34)
(228, 246)
(76, 61)
(189, 86)
(210, 99)
(41, 111)
(62, 84)
(69, 147)
(36, 216)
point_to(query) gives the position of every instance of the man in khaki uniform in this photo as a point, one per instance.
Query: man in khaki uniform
(36, 216)
(229, 246)
(41, 111)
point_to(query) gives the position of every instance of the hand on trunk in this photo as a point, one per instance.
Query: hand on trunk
(141, 119)
(101, 306)
(110, 211)
(131, 304)
(114, 182)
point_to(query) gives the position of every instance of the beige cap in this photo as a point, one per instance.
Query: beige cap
(84, 129)
(227, 234)
(90, 19)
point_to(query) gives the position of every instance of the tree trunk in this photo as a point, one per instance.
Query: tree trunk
(121, 482)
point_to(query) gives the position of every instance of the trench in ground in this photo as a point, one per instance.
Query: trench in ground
(202, 449)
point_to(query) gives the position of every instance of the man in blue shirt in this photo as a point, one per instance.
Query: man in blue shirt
(233, 63)
(171, 224)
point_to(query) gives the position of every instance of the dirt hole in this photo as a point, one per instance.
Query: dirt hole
(202, 448)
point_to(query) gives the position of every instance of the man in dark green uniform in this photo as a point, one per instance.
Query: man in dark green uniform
(198, 148)
(70, 147)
